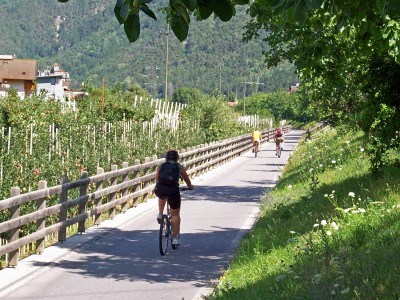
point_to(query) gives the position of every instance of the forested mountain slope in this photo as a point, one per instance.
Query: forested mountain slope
(85, 39)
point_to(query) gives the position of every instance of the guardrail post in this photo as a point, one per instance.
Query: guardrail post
(153, 170)
(124, 192)
(98, 201)
(62, 216)
(147, 182)
(14, 233)
(136, 187)
(82, 206)
(196, 164)
(183, 159)
(41, 223)
(112, 196)
(208, 158)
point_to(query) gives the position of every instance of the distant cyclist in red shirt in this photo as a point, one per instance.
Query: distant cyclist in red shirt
(279, 139)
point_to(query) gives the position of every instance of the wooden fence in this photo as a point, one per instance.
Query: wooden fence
(103, 193)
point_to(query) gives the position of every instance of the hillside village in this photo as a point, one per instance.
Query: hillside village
(23, 76)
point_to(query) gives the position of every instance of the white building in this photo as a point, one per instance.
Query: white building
(55, 83)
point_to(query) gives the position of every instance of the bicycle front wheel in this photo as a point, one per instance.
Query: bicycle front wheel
(164, 235)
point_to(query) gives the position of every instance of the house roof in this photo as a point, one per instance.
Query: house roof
(17, 69)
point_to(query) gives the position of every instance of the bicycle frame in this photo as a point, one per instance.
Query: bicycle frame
(165, 233)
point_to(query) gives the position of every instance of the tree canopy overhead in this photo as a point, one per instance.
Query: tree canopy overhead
(178, 13)
(347, 52)
(347, 56)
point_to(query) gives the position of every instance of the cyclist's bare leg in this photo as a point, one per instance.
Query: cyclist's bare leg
(161, 205)
(176, 222)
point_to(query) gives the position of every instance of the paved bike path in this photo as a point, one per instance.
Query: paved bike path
(120, 259)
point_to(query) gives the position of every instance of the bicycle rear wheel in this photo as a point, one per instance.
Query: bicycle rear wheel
(164, 235)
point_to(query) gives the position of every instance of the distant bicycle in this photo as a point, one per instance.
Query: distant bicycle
(279, 150)
(165, 234)
(256, 150)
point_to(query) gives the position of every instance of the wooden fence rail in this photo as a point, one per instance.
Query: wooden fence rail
(123, 186)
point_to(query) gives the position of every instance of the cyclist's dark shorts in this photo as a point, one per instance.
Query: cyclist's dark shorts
(279, 139)
(170, 192)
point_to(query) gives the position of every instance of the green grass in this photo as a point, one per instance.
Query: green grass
(329, 230)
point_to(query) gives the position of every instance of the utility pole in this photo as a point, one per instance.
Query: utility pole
(220, 78)
(244, 92)
(244, 99)
(166, 65)
(102, 105)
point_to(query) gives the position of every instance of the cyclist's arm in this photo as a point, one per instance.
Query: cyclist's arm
(186, 178)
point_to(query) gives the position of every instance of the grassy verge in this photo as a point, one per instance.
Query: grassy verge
(329, 230)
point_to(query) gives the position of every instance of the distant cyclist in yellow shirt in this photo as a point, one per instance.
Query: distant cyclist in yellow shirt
(256, 138)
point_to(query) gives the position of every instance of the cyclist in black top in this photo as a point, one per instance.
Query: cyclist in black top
(170, 192)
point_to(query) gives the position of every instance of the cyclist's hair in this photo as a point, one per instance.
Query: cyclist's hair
(172, 155)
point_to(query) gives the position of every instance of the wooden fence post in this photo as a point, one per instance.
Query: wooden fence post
(98, 201)
(147, 182)
(82, 206)
(112, 196)
(208, 159)
(155, 157)
(136, 187)
(41, 223)
(14, 233)
(124, 192)
(62, 233)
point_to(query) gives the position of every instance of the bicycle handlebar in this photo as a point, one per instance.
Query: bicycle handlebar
(184, 188)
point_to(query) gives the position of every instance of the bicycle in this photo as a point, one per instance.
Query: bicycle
(279, 150)
(165, 233)
(255, 150)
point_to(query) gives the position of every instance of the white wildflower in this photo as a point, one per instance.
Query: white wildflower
(362, 149)
(329, 232)
(361, 210)
(323, 223)
(316, 225)
(333, 293)
(326, 195)
(311, 170)
(334, 225)
(292, 232)
(289, 186)
(334, 161)
(351, 194)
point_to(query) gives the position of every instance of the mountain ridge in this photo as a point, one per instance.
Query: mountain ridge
(85, 39)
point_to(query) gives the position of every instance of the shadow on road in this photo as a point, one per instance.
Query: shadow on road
(133, 255)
